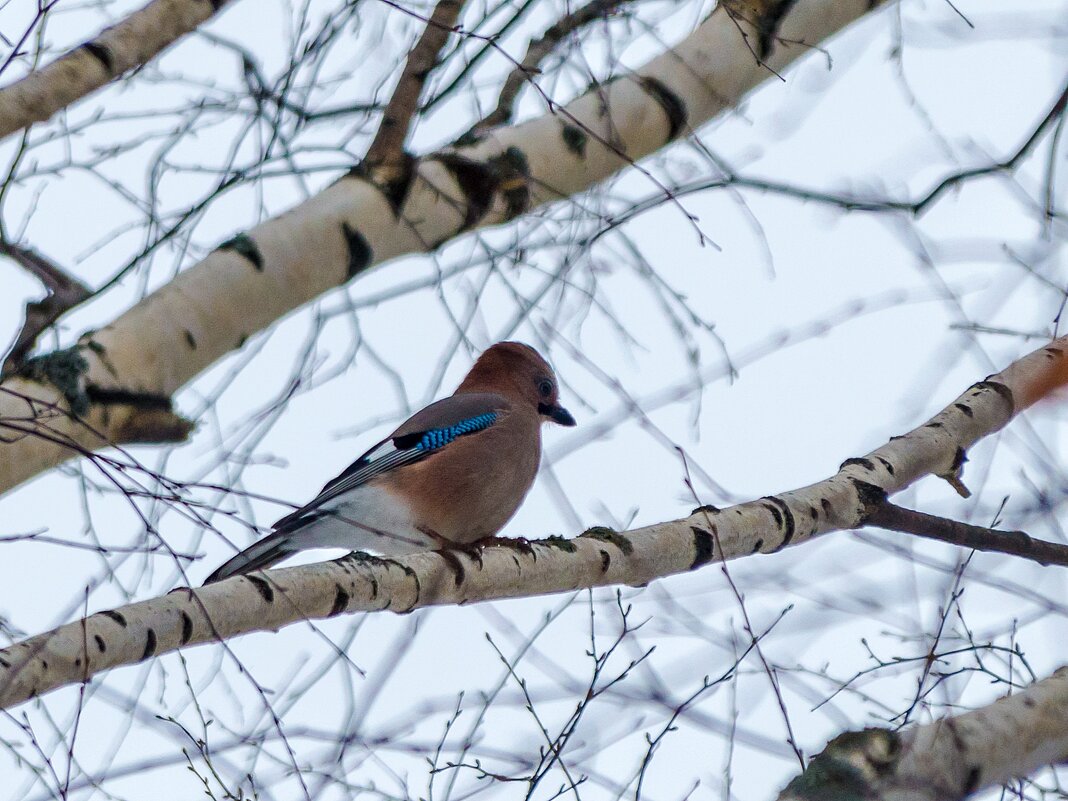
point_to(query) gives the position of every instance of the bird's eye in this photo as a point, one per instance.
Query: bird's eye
(545, 387)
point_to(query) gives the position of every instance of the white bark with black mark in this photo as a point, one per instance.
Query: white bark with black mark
(111, 54)
(267, 600)
(947, 760)
(362, 220)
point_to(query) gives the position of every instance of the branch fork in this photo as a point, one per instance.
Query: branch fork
(64, 293)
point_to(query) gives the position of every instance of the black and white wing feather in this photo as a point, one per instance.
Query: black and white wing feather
(426, 432)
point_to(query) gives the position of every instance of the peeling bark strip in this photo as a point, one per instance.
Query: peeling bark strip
(947, 760)
(142, 417)
(115, 51)
(299, 255)
(360, 582)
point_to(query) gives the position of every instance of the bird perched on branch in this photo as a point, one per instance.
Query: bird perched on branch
(451, 475)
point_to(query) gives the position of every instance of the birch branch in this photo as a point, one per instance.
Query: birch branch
(948, 760)
(268, 600)
(115, 51)
(171, 336)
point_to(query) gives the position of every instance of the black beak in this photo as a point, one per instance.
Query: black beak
(558, 414)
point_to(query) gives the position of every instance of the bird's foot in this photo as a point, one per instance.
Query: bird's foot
(521, 544)
(470, 549)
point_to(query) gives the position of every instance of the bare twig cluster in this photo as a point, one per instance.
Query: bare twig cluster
(718, 636)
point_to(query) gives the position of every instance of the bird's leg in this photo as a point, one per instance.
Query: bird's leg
(473, 550)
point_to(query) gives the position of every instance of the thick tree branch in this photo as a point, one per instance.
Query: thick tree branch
(948, 760)
(167, 339)
(64, 293)
(114, 52)
(267, 600)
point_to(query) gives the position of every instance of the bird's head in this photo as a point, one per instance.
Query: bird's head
(518, 372)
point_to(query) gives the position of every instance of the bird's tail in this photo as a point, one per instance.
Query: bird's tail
(260, 555)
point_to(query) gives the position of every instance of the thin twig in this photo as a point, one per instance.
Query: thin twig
(1055, 113)
(915, 207)
(537, 52)
(489, 45)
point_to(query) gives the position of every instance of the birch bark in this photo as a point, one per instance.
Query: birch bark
(267, 600)
(122, 376)
(947, 760)
(115, 51)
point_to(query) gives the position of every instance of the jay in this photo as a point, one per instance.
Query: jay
(451, 475)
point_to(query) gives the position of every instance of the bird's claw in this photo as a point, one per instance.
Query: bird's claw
(471, 549)
(521, 544)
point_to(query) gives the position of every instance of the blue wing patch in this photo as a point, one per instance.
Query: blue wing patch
(440, 437)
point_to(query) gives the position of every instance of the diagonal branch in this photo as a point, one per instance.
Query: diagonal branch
(1015, 543)
(948, 760)
(1055, 113)
(268, 600)
(64, 293)
(537, 52)
(730, 178)
(185, 326)
(387, 148)
(115, 51)
(916, 207)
